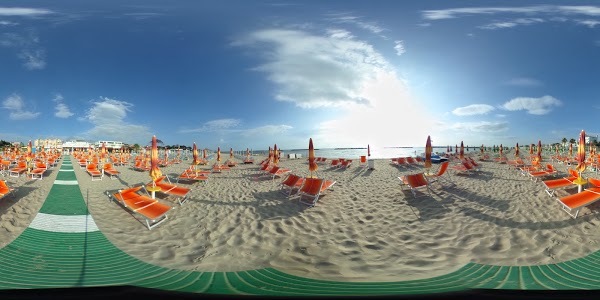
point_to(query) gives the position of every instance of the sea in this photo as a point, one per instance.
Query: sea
(376, 153)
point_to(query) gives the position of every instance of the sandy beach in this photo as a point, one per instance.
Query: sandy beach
(365, 228)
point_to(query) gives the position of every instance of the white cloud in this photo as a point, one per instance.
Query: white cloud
(108, 116)
(267, 130)
(399, 47)
(29, 51)
(551, 12)
(513, 23)
(522, 81)
(534, 106)
(482, 126)
(317, 71)
(62, 110)
(23, 11)
(357, 21)
(8, 23)
(15, 104)
(473, 109)
(33, 59)
(588, 23)
(215, 125)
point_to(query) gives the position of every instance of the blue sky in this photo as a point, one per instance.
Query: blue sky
(256, 73)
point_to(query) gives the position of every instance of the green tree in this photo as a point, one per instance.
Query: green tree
(564, 140)
(572, 141)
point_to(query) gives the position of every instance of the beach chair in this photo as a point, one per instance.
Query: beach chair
(18, 170)
(439, 176)
(152, 211)
(311, 190)
(573, 204)
(549, 171)
(277, 171)
(291, 184)
(464, 168)
(6, 190)
(335, 163)
(167, 188)
(552, 185)
(191, 175)
(346, 164)
(415, 182)
(96, 174)
(109, 170)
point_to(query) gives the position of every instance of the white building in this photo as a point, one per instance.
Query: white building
(110, 145)
(69, 146)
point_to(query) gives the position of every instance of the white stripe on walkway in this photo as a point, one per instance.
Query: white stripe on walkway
(66, 170)
(62, 223)
(66, 182)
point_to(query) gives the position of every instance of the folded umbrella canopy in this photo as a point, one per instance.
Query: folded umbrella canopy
(155, 172)
(312, 164)
(428, 150)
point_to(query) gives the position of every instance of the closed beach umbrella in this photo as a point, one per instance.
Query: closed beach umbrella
(154, 170)
(461, 154)
(195, 160)
(368, 150)
(275, 155)
(103, 151)
(517, 150)
(270, 155)
(539, 150)
(204, 154)
(481, 149)
(166, 155)
(247, 153)
(29, 154)
(455, 149)
(230, 153)
(581, 153)
(570, 150)
(448, 149)
(501, 150)
(312, 164)
(428, 150)
(218, 154)
(530, 149)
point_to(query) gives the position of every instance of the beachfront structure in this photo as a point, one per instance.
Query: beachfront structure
(47, 144)
(110, 145)
(69, 146)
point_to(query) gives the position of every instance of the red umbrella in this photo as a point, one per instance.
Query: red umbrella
(539, 150)
(312, 165)
(581, 153)
(517, 150)
(275, 155)
(154, 170)
(462, 151)
(428, 150)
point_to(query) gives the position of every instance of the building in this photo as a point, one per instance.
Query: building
(110, 145)
(69, 146)
(47, 144)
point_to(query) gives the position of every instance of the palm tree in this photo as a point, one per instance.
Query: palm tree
(564, 141)
(572, 141)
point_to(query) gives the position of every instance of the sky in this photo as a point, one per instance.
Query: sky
(254, 73)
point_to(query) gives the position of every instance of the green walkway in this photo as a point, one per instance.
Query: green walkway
(62, 247)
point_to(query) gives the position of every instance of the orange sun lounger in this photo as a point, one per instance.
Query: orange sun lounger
(554, 184)
(167, 188)
(312, 189)
(573, 204)
(150, 209)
